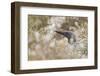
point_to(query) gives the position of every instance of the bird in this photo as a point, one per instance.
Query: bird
(69, 35)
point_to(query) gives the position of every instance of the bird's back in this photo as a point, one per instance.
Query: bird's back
(70, 35)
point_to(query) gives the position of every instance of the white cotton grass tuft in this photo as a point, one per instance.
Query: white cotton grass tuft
(52, 44)
(47, 38)
(37, 36)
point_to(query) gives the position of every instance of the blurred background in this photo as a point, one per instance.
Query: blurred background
(45, 44)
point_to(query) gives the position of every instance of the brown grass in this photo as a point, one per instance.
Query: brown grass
(45, 44)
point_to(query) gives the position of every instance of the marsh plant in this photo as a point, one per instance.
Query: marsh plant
(45, 44)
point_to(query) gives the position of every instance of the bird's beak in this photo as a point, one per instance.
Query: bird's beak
(59, 32)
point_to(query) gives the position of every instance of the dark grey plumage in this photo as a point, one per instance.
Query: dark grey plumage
(71, 37)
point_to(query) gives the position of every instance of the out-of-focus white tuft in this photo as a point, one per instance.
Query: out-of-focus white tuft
(37, 36)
